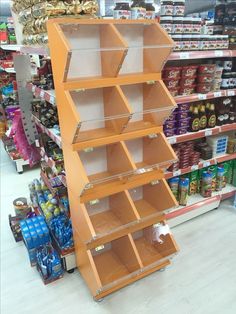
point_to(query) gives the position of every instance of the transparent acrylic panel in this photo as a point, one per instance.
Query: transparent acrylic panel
(106, 164)
(150, 153)
(108, 50)
(110, 214)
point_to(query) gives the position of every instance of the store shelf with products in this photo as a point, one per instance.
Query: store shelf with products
(198, 205)
(200, 134)
(202, 164)
(191, 55)
(48, 95)
(50, 132)
(52, 164)
(211, 95)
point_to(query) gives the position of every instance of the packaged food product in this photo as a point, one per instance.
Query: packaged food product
(213, 170)
(183, 107)
(204, 88)
(206, 184)
(182, 130)
(138, 10)
(187, 90)
(171, 72)
(178, 7)
(183, 191)
(220, 178)
(183, 123)
(166, 8)
(174, 91)
(187, 81)
(186, 42)
(166, 23)
(193, 184)
(169, 125)
(171, 83)
(195, 42)
(177, 26)
(169, 132)
(178, 39)
(122, 10)
(182, 114)
(205, 78)
(174, 186)
(189, 71)
(196, 25)
(207, 69)
(150, 10)
(187, 25)
(231, 148)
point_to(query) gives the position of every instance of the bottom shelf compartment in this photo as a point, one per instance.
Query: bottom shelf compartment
(115, 264)
(152, 245)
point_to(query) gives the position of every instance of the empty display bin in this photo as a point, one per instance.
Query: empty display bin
(154, 198)
(151, 152)
(115, 261)
(151, 249)
(150, 104)
(109, 215)
(113, 49)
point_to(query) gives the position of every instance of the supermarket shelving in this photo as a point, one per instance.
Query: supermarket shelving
(48, 95)
(187, 55)
(211, 95)
(200, 134)
(198, 205)
(202, 164)
(50, 132)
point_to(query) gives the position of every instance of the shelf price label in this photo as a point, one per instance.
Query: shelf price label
(52, 100)
(177, 173)
(202, 96)
(219, 53)
(194, 167)
(41, 93)
(231, 93)
(208, 132)
(217, 94)
(184, 55)
(172, 140)
(206, 164)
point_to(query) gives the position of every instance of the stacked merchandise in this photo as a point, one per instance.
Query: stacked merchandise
(44, 78)
(225, 20)
(199, 78)
(41, 253)
(204, 181)
(137, 9)
(189, 33)
(45, 112)
(33, 15)
(200, 116)
(7, 32)
(55, 209)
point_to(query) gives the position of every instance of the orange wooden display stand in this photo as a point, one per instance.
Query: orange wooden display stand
(112, 105)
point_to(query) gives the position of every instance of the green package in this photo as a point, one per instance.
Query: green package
(234, 172)
(228, 173)
(213, 170)
(193, 184)
(200, 172)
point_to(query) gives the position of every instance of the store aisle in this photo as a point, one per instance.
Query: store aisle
(201, 280)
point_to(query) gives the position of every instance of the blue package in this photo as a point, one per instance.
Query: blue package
(28, 240)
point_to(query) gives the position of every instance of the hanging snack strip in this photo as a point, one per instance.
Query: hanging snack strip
(34, 14)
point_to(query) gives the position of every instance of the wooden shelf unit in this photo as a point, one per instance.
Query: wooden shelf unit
(112, 105)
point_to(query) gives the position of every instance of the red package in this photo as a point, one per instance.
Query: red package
(189, 71)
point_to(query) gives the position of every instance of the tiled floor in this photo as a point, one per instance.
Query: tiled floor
(201, 280)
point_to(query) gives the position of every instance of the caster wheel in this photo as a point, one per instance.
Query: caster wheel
(70, 271)
(99, 300)
(20, 172)
(162, 269)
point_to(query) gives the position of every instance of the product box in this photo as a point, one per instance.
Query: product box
(213, 170)
(193, 182)
(234, 172)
